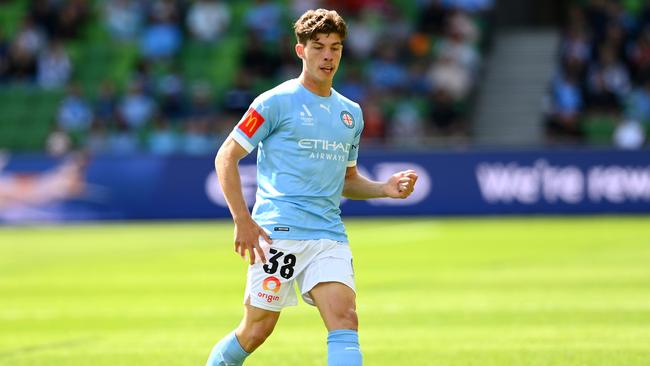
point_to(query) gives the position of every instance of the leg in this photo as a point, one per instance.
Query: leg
(337, 306)
(253, 330)
(257, 325)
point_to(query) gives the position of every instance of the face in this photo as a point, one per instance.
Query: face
(321, 57)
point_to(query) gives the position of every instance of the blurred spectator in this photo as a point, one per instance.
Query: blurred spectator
(136, 108)
(29, 39)
(44, 13)
(417, 77)
(71, 19)
(451, 77)
(374, 125)
(575, 46)
(264, 17)
(207, 20)
(608, 82)
(386, 72)
(54, 66)
(123, 18)
(352, 85)
(638, 104)
(458, 47)
(239, 96)
(431, 17)
(22, 64)
(202, 107)
(406, 126)
(196, 139)
(363, 34)
(597, 18)
(299, 7)
(639, 55)
(565, 107)
(257, 60)
(106, 103)
(397, 27)
(27, 44)
(97, 139)
(122, 141)
(75, 115)
(461, 25)
(445, 117)
(162, 38)
(162, 140)
(143, 75)
(171, 94)
(58, 142)
(629, 135)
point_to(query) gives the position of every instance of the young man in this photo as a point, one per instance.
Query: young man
(308, 139)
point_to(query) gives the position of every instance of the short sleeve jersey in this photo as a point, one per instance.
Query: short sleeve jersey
(305, 144)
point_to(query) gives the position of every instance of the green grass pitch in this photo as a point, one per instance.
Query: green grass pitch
(471, 292)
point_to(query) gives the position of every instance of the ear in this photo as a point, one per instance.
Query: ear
(300, 50)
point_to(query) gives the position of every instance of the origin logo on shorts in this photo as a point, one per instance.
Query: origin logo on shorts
(251, 122)
(272, 284)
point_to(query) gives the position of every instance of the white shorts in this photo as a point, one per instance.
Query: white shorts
(305, 262)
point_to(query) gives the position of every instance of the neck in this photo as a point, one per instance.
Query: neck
(320, 89)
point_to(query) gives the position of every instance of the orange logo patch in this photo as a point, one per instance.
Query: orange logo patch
(251, 122)
(271, 284)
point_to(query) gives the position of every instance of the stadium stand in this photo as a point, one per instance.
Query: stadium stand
(600, 94)
(141, 70)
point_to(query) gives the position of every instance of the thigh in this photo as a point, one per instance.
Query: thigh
(333, 264)
(336, 303)
(259, 319)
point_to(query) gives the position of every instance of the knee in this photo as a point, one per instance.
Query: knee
(346, 319)
(252, 336)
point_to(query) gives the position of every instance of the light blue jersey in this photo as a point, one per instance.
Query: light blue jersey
(306, 142)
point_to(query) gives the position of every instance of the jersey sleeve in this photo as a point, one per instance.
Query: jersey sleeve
(256, 124)
(354, 149)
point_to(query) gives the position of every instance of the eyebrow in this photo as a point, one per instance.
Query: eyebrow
(333, 44)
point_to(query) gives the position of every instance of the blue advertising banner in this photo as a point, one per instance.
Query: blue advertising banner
(38, 188)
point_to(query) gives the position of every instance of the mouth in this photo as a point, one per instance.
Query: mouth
(328, 69)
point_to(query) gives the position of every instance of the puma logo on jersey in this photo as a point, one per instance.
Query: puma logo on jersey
(326, 107)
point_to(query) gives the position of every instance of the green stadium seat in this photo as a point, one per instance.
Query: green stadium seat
(599, 129)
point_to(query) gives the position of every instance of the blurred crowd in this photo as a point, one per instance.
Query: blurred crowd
(414, 70)
(601, 91)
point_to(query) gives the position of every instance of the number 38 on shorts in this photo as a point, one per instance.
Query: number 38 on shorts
(306, 262)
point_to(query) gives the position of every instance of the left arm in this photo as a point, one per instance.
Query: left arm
(358, 187)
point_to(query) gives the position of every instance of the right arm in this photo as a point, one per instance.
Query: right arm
(247, 232)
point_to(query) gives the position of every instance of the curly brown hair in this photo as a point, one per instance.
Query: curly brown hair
(317, 21)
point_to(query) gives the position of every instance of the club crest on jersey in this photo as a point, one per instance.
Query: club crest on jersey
(347, 119)
(251, 122)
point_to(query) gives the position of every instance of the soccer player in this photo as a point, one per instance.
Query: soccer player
(307, 137)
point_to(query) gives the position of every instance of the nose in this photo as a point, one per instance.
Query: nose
(328, 55)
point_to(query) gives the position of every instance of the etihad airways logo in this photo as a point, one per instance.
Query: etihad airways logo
(324, 145)
(326, 149)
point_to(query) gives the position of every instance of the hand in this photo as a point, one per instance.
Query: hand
(247, 239)
(401, 185)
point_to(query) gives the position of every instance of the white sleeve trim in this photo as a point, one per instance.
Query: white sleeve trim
(352, 163)
(242, 141)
